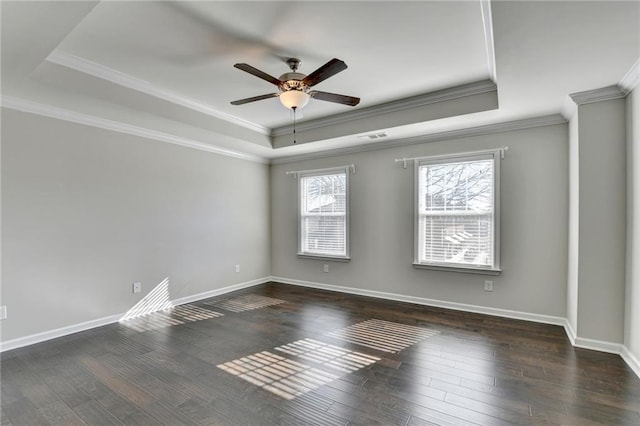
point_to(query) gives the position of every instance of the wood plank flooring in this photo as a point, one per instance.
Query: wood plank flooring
(314, 357)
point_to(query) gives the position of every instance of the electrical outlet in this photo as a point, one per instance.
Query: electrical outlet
(488, 286)
(325, 268)
(237, 268)
(137, 287)
(3, 312)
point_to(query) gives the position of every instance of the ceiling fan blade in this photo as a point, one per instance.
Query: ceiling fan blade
(329, 69)
(220, 36)
(334, 97)
(260, 74)
(253, 99)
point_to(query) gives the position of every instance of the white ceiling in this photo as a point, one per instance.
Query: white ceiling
(167, 67)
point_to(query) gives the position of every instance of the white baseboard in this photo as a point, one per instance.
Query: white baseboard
(612, 348)
(65, 331)
(631, 360)
(58, 332)
(598, 345)
(219, 291)
(527, 316)
(585, 343)
(579, 342)
(571, 333)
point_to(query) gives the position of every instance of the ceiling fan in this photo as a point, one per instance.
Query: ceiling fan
(294, 88)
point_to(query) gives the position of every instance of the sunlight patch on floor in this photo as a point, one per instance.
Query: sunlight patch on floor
(384, 336)
(329, 355)
(178, 315)
(280, 376)
(245, 303)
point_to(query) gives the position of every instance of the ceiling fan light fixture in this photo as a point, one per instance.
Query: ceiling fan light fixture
(294, 87)
(294, 99)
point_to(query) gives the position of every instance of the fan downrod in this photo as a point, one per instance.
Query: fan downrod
(294, 63)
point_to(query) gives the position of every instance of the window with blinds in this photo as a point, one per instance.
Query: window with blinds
(457, 215)
(323, 214)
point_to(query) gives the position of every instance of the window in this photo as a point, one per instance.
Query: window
(323, 218)
(457, 218)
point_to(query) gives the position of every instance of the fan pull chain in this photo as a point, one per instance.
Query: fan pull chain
(294, 123)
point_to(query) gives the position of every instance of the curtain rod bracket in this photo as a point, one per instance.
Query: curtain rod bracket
(404, 162)
(502, 151)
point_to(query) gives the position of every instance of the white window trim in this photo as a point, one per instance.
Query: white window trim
(320, 172)
(496, 155)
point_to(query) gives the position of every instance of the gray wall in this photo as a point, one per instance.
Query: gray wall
(632, 317)
(574, 224)
(534, 225)
(602, 220)
(86, 212)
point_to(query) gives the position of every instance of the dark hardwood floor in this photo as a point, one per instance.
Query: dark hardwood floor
(279, 354)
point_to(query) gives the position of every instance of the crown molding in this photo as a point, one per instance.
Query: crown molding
(94, 69)
(631, 79)
(569, 108)
(456, 92)
(598, 95)
(32, 107)
(627, 83)
(507, 126)
(487, 26)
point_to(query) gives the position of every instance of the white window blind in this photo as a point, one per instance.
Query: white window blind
(323, 214)
(457, 215)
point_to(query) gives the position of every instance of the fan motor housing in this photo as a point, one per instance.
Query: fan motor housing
(292, 81)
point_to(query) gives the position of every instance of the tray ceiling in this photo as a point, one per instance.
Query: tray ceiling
(168, 66)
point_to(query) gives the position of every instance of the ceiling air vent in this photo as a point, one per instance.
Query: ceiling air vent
(372, 136)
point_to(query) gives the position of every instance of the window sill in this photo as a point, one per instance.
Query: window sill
(322, 257)
(458, 269)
